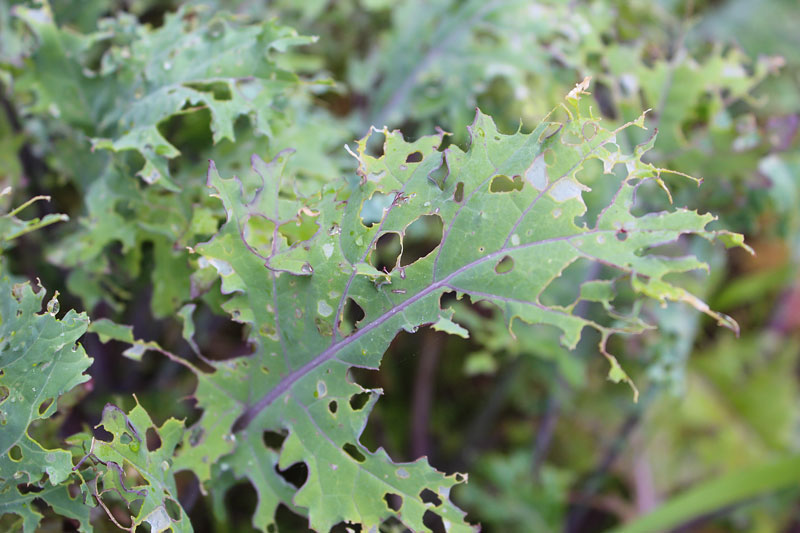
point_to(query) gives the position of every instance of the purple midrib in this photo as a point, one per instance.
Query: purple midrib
(329, 353)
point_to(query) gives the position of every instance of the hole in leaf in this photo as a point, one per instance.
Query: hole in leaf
(186, 131)
(502, 183)
(144, 527)
(421, 238)
(153, 439)
(447, 140)
(219, 337)
(564, 289)
(257, 232)
(15, 453)
(188, 489)
(351, 450)
(173, 509)
(289, 522)
(126, 439)
(25, 488)
(603, 187)
(433, 522)
(358, 401)
(273, 440)
(101, 433)
(44, 406)
(622, 235)
(393, 501)
(348, 527)
(373, 209)
(367, 377)
(376, 143)
(414, 157)
(300, 229)
(295, 474)
(136, 506)
(589, 130)
(458, 196)
(438, 176)
(3, 393)
(571, 136)
(671, 249)
(605, 100)
(428, 496)
(333, 406)
(448, 299)
(220, 91)
(386, 252)
(133, 477)
(240, 501)
(352, 314)
(74, 489)
(505, 265)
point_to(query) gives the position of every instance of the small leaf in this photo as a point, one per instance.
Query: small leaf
(155, 488)
(448, 326)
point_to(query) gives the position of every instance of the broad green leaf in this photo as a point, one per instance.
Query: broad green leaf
(296, 248)
(501, 245)
(39, 362)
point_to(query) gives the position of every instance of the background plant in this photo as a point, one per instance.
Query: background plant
(116, 120)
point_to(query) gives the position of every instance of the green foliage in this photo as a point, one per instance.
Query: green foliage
(40, 362)
(288, 291)
(513, 488)
(295, 383)
(153, 501)
(716, 494)
(123, 82)
(145, 76)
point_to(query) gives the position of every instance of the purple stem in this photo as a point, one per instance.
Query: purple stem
(422, 399)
